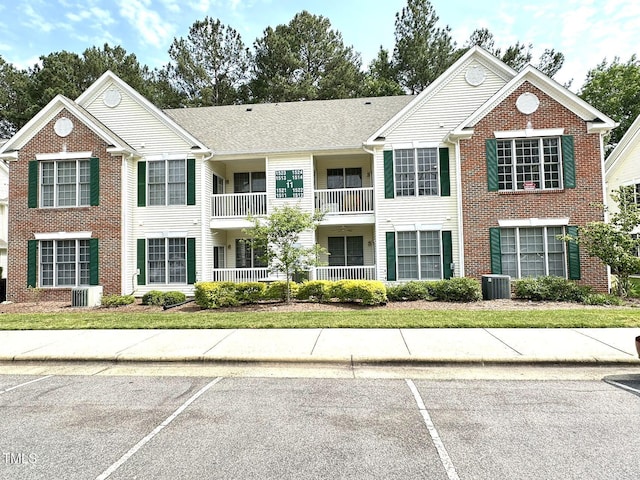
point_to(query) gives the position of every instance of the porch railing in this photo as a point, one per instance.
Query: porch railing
(346, 273)
(239, 275)
(345, 200)
(238, 204)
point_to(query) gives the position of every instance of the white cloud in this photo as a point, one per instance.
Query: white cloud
(200, 5)
(148, 23)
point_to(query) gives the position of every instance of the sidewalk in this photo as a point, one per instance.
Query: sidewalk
(338, 346)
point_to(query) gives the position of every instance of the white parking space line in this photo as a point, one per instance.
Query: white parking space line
(107, 473)
(435, 437)
(25, 383)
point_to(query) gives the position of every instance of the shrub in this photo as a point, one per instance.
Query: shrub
(215, 294)
(154, 297)
(459, 289)
(173, 298)
(109, 301)
(278, 290)
(367, 292)
(556, 289)
(250, 292)
(316, 290)
(602, 299)
(409, 292)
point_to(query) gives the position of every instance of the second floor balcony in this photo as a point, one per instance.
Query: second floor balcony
(238, 205)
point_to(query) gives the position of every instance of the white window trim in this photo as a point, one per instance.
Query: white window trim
(534, 222)
(47, 157)
(529, 132)
(62, 236)
(417, 227)
(168, 234)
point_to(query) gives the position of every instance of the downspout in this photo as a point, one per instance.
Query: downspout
(604, 199)
(461, 256)
(204, 222)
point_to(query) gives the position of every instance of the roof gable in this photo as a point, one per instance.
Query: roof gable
(473, 55)
(44, 116)
(598, 121)
(628, 141)
(96, 99)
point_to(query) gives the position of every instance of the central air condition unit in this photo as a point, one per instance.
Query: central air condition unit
(86, 296)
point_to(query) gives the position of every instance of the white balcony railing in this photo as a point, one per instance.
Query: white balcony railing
(239, 275)
(238, 204)
(345, 200)
(346, 273)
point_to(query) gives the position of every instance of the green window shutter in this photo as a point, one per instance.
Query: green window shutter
(191, 261)
(391, 256)
(445, 180)
(94, 176)
(389, 187)
(573, 254)
(568, 162)
(93, 262)
(491, 148)
(142, 184)
(496, 254)
(32, 263)
(32, 197)
(142, 260)
(447, 254)
(191, 181)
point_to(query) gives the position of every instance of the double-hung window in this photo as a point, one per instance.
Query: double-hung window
(416, 172)
(529, 164)
(64, 263)
(167, 182)
(167, 260)
(533, 252)
(419, 255)
(65, 183)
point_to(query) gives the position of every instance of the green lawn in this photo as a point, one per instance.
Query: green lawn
(348, 318)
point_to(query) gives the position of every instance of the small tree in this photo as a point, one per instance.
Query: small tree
(278, 235)
(612, 242)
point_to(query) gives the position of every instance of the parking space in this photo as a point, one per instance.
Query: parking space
(123, 427)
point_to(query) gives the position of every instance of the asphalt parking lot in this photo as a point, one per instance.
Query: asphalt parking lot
(191, 427)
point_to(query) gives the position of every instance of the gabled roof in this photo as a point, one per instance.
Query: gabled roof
(598, 121)
(109, 78)
(55, 106)
(628, 141)
(289, 126)
(474, 53)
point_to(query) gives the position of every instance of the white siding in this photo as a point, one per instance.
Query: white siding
(626, 172)
(136, 125)
(445, 109)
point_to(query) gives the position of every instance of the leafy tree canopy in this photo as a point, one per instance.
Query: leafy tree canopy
(614, 89)
(304, 60)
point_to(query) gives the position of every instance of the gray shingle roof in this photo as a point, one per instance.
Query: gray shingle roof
(289, 126)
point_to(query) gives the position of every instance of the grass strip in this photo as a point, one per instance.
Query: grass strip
(112, 319)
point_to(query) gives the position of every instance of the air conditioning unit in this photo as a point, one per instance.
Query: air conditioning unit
(86, 296)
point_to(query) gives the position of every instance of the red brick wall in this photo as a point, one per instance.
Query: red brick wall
(103, 220)
(482, 209)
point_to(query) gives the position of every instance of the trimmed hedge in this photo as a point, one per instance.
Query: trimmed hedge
(215, 294)
(550, 288)
(315, 290)
(278, 290)
(452, 290)
(109, 301)
(367, 292)
(163, 299)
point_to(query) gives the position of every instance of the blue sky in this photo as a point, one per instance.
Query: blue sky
(586, 31)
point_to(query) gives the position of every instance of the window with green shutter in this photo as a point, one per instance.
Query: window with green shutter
(191, 261)
(94, 185)
(445, 179)
(573, 254)
(141, 260)
(530, 164)
(191, 181)
(32, 263)
(447, 255)
(32, 197)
